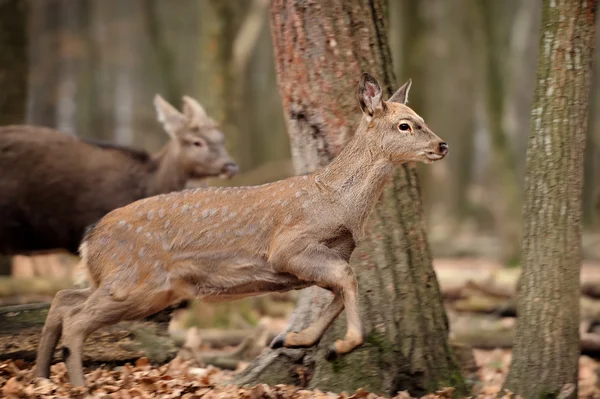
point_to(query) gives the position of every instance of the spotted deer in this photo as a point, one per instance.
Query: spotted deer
(228, 243)
(53, 185)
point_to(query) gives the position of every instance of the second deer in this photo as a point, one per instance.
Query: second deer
(53, 186)
(228, 243)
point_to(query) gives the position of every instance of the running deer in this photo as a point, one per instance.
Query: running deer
(228, 243)
(52, 185)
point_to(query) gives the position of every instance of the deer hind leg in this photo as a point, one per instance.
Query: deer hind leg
(310, 335)
(62, 302)
(101, 310)
(327, 270)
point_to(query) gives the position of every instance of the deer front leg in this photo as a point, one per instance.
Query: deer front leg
(354, 333)
(327, 270)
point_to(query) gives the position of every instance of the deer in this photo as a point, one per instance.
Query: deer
(53, 185)
(226, 243)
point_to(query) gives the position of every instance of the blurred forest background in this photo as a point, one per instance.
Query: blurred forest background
(95, 65)
(92, 68)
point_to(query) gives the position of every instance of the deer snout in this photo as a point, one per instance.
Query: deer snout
(443, 148)
(230, 169)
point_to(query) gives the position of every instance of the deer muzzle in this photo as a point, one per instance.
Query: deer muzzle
(229, 170)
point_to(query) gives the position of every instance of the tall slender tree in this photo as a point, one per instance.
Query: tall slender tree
(546, 352)
(321, 48)
(13, 72)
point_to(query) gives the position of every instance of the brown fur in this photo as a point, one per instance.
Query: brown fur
(227, 243)
(54, 185)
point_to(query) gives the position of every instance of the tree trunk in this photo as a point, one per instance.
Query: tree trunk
(219, 83)
(57, 97)
(320, 51)
(591, 185)
(545, 358)
(60, 60)
(13, 73)
(505, 199)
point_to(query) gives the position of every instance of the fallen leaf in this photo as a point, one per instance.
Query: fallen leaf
(13, 388)
(142, 361)
(446, 392)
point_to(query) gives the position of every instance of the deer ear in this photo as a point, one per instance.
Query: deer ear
(193, 110)
(401, 95)
(171, 119)
(369, 95)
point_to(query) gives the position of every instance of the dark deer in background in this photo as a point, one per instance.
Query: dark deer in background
(52, 186)
(227, 243)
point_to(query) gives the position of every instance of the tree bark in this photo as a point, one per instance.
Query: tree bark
(546, 352)
(591, 185)
(320, 51)
(13, 72)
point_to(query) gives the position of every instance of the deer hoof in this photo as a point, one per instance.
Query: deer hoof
(278, 341)
(332, 354)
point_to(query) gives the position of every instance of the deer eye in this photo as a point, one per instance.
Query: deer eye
(404, 127)
(197, 143)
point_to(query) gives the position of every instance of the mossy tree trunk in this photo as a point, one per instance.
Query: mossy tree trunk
(13, 72)
(591, 185)
(546, 351)
(321, 50)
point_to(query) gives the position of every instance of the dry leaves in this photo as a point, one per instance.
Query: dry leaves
(179, 379)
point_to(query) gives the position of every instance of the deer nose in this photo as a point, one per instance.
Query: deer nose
(444, 148)
(230, 169)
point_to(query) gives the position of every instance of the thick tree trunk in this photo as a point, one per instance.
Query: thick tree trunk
(320, 51)
(546, 352)
(13, 72)
(591, 186)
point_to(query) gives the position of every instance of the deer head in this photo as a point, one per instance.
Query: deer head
(395, 129)
(200, 144)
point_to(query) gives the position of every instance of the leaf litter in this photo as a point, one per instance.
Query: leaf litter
(181, 379)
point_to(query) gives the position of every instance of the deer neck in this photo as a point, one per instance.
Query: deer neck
(169, 175)
(355, 179)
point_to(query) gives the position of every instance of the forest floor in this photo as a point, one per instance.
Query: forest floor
(185, 379)
(180, 379)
